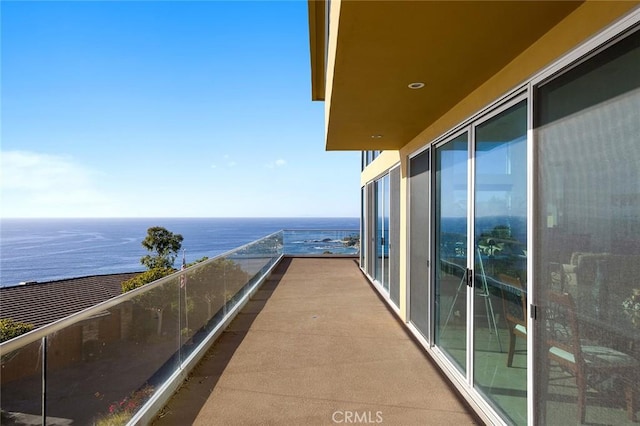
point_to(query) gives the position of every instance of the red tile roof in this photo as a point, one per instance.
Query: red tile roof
(43, 303)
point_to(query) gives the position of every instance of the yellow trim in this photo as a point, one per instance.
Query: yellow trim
(317, 25)
(379, 166)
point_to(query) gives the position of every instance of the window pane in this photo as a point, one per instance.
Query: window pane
(588, 150)
(500, 346)
(394, 235)
(450, 210)
(419, 241)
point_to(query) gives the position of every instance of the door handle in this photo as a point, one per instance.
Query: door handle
(469, 274)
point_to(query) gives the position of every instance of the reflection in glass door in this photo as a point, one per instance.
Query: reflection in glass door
(363, 240)
(500, 261)
(450, 215)
(382, 232)
(483, 286)
(419, 247)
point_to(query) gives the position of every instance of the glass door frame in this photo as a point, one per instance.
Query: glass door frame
(381, 208)
(375, 239)
(425, 336)
(369, 236)
(434, 338)
(522, 93)
(582, 53)
(496, 110)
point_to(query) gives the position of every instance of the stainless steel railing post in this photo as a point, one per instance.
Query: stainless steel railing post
(44, 380)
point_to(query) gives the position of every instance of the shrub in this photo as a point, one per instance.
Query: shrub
(145, 278)
(121, 411)
(10, 329)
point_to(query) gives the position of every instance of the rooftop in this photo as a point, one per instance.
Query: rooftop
(43, 303)
(315, 345)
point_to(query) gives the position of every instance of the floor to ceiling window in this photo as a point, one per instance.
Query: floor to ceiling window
(475, 292)
(370, 225)
(500, 265)
(587, 347)
(480, 282)
(382, 192)
(363, 234)
(450, 216)
(394, 235)
(419, 243)
(377, 240)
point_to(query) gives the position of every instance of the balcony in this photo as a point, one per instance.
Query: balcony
(314, 345)
(277, 338)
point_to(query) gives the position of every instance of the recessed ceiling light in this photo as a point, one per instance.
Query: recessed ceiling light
(416, 85)
(376, 136)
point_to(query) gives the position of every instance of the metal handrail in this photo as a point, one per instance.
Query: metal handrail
(272, 246)
(321, 230)
(37, 334)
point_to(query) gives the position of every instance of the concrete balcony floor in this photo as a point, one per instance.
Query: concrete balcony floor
(316, 345)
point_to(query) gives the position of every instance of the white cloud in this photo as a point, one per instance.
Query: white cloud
(37, 184)
(278, 163)
(226, 159)
(39, 172)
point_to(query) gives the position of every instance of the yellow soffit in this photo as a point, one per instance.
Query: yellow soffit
(451, 47)
(317, 35)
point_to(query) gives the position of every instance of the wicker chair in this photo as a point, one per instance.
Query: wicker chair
(582, 359)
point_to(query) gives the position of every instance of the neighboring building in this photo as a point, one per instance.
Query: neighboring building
(41, 303)
(508, 178)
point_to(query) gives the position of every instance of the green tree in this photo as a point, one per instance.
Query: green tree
(10, 329)
(165, 245)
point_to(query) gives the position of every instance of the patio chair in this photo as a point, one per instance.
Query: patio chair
(514, 304)
(588, 362)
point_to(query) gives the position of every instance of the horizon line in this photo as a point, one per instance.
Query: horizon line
(177, 217)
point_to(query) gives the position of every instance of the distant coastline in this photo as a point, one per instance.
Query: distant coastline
(54, 249)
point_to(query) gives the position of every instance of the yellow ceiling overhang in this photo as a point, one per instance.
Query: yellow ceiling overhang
(383, 46)
(317, 25)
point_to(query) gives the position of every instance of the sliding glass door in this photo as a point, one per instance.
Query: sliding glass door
(480, 258)
(451, 226)
(500, 260)
(587, 125)
(382, 232)
(419, 242)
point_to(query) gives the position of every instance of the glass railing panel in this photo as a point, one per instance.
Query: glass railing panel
(105, 363)
(321, 242)
(259, 256)
(215, 287)
(102, 369)
(203, 290)
(236, 276)
(21, 376)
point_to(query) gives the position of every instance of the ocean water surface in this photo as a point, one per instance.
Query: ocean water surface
(52, 249)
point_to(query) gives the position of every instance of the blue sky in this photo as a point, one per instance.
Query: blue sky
(164, 109)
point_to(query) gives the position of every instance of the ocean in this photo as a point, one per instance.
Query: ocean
(52, 249)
